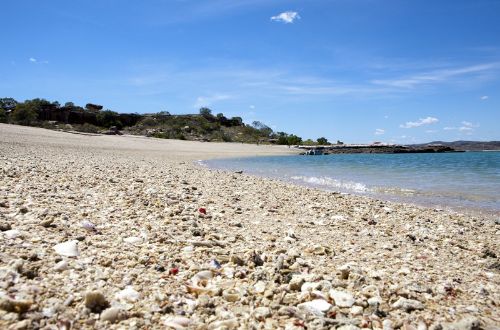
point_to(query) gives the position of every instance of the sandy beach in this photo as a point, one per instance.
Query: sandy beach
(127, 232)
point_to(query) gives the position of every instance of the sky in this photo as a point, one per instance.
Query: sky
(396, 71)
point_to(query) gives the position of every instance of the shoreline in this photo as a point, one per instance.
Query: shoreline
(285, 255)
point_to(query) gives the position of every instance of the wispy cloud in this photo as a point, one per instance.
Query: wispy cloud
(205, 101)
(420, 122)
(484, 97)
(466, 128)
(36, 61)
(437, 76)
(286, 17)
(379, 131)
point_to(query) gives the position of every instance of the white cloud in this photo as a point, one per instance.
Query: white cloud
(467, 127)
(205, 101)
(420, 122)
(286, 17)
(34, 60)
(379, 131)
(484, 97)
(252, 106)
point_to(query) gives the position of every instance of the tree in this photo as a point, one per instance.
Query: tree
(322, 141)
(205, 112)
(93, 107)
(8, 104)
(25, 113)
(263, 128)
(108, 118)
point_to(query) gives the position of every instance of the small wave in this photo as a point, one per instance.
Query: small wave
(333, 183)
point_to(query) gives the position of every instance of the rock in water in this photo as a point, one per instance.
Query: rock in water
(67, 249)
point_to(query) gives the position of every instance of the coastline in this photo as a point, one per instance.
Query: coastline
(280, 246)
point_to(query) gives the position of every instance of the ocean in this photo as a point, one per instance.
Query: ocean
(456, 181)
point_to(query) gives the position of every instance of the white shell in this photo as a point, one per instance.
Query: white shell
(177, 322)
(12, 234)
(67, 249)
(316, 306)
(61, 266)
(128, 294)
(133, 240)
(342, 299)
(87, 225)
(202, 277)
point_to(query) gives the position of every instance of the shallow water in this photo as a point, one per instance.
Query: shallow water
(469, 180)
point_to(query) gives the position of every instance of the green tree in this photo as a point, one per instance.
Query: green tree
(108, 118)
(8, 104)
(322, 141)
(205, 112)
(25, 113)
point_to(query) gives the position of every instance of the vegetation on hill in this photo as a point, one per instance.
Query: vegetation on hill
(204, 126)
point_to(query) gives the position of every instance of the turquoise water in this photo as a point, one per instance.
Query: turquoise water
(469, 180)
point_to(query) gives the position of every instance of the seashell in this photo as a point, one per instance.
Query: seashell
(67, 249)
(12, 234)
(215, 264)
(112, 315)
(61, 266)
(316, 306)
(342, 299)
(177, 322)
(201, 278)
(260, 287)
(128, 294)
(134, 240)
(356, 310)
(231, 295)
(408, 305)
(226, 324)
(87, 225)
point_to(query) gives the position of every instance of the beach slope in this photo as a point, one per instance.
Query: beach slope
(130, 232)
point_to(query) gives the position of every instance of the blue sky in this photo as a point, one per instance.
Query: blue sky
(356, 70)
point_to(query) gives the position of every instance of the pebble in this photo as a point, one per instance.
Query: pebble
(14, 305)
(261, 313)
(408, 305)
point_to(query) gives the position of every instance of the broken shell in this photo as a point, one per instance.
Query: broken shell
(67, 249)
(128, 294)
(201, 278)
(177, 322)
(61, 266)
(231, 295)
(134, 240)
(87, 225)
(317, 306)
(12, 234)
(342, 299)
(111, 315)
